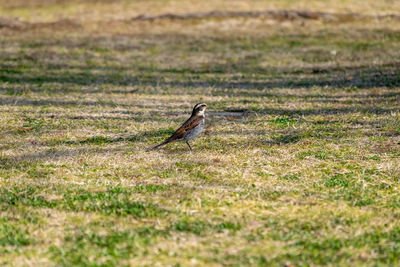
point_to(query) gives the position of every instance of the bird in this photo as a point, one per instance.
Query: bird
(190, 129)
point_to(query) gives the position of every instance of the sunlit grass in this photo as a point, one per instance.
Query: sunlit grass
(298, 163)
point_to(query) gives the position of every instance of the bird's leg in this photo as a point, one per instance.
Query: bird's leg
(187, 142)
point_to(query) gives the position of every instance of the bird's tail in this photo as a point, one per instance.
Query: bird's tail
(157, 146)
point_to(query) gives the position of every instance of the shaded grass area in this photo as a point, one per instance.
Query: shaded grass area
(298, 163)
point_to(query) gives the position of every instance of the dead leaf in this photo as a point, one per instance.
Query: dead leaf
(136, 176)
(25, 128)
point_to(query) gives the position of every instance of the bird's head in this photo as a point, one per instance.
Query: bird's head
(199, 109)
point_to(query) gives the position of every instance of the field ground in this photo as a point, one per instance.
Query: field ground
(298, 165)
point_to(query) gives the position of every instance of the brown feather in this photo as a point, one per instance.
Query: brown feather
(191, 123)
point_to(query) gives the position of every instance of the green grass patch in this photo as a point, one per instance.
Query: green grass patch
(12, 235)
(115, 201)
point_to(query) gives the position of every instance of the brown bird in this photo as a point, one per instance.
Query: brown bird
(190, 129)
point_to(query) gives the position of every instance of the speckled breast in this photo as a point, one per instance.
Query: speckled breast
(195, 131)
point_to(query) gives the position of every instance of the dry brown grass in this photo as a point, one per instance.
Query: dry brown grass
(298, 163)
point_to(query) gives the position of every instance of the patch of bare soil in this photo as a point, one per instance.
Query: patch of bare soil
(270, 14)
(16, 24)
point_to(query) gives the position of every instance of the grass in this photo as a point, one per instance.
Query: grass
(298, 163)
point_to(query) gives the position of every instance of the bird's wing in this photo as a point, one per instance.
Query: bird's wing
(188, 125)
